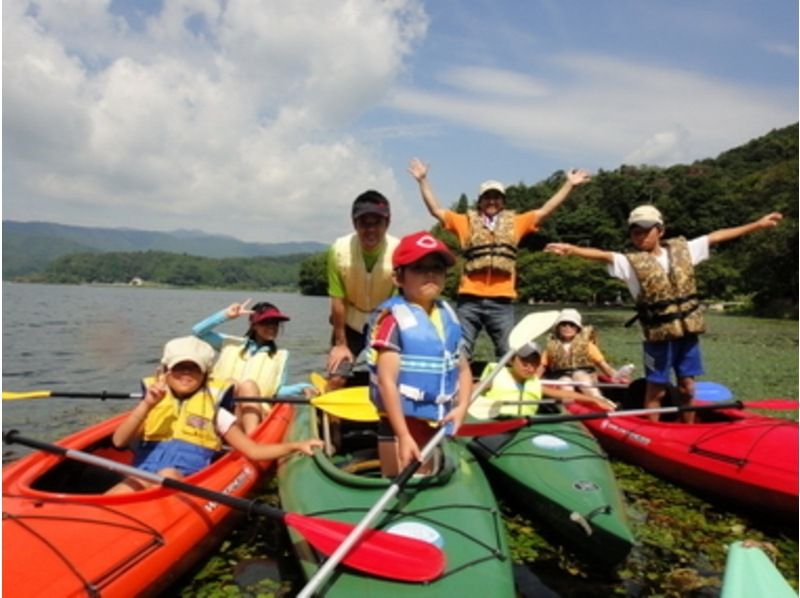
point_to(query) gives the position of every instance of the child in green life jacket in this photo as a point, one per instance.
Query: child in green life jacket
(184, 418)
(518, 388)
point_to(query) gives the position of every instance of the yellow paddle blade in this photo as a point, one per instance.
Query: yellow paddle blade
(348, 403)
(318, 381)
(34, 394)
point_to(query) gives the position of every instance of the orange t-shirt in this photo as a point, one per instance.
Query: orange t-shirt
(489, 283)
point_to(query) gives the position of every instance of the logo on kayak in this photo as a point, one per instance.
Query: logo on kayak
(550, 442)
(240, 479)
(585, 486)
(417, 531)
(625, 432)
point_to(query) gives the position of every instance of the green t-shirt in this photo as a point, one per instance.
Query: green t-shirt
(335, 282)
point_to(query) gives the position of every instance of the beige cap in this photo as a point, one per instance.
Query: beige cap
(569, 315)
(646, 217)
(529, 349)
(188, 348)
(491, 186)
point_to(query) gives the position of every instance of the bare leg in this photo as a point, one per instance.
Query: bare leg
(653, 397)
(249, 414)
(589, 380)
(685, 396)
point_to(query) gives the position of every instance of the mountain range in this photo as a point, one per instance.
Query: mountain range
(30, 246)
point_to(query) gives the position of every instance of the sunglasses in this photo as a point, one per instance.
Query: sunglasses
(438, 269)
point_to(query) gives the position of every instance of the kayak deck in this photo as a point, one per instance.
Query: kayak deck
(558, 474)
(452, 508)
(63, 537)
(734, 455)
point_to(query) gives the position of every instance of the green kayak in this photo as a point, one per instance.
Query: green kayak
(453, 508)
(559, 475)
(749, 573)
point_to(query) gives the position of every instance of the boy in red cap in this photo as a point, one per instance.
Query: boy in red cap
(253, 363)
(418, 371)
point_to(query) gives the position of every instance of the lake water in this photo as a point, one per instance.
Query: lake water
(95, 338)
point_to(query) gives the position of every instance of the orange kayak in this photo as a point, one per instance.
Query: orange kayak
(63, 537)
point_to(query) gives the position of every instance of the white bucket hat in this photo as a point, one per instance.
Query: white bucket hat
(188, 348)
(569, 315)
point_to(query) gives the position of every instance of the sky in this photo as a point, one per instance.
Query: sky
(263, 120)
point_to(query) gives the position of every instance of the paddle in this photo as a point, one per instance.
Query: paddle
(497, 406)
(499, 427)
(773, 404)
(347, 403)
(378, 553)
(703, 389)
(525, 331)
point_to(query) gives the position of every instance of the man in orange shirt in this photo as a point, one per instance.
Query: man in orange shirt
(489, 237)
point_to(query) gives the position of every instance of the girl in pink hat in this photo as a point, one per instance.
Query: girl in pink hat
(253, 363)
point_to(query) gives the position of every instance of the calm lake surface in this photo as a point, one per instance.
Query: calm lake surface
(95, 338)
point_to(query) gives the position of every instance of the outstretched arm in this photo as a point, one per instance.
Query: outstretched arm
(589, 253)
(419, 170)
(727, 234)
(236, 437)
(574, 178)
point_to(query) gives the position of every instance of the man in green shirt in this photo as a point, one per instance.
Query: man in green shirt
(359, 279)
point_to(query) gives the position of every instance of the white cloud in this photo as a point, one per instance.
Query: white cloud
(606, 111)
(497, 82)
(229, 117)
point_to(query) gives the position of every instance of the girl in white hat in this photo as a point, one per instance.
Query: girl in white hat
(572, 354)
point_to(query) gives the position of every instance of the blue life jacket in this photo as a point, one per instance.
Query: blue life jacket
(428, 378)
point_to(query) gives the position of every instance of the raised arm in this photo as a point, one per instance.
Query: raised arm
(419, 170)
(588, 253)
(727, 234)
(574, 178)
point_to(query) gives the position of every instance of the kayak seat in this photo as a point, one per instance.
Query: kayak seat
(74, 477)
(351, 436)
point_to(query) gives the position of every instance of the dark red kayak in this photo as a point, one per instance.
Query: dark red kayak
(733, 454)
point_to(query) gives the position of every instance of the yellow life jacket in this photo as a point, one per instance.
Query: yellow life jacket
(668, 307)
(265, 368)
(505, 388)
(495, 249)
(561, 361)
(364, 290)
(192, 420)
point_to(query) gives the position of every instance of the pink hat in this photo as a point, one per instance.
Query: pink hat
(267, 311)
(416, 246)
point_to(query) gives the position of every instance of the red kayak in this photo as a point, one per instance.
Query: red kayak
(736, 455)
(63, 537)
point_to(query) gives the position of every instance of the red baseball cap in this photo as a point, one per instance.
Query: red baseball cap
(267, 312)
(416, 246)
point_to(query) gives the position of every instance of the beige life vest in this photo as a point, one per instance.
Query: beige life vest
(264, 368)
(365, 290)
(668, 307)
(564, 360)
(495, 249)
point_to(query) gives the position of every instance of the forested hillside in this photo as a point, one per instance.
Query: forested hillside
(736, 187)
(159, 267)
(30, 246)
